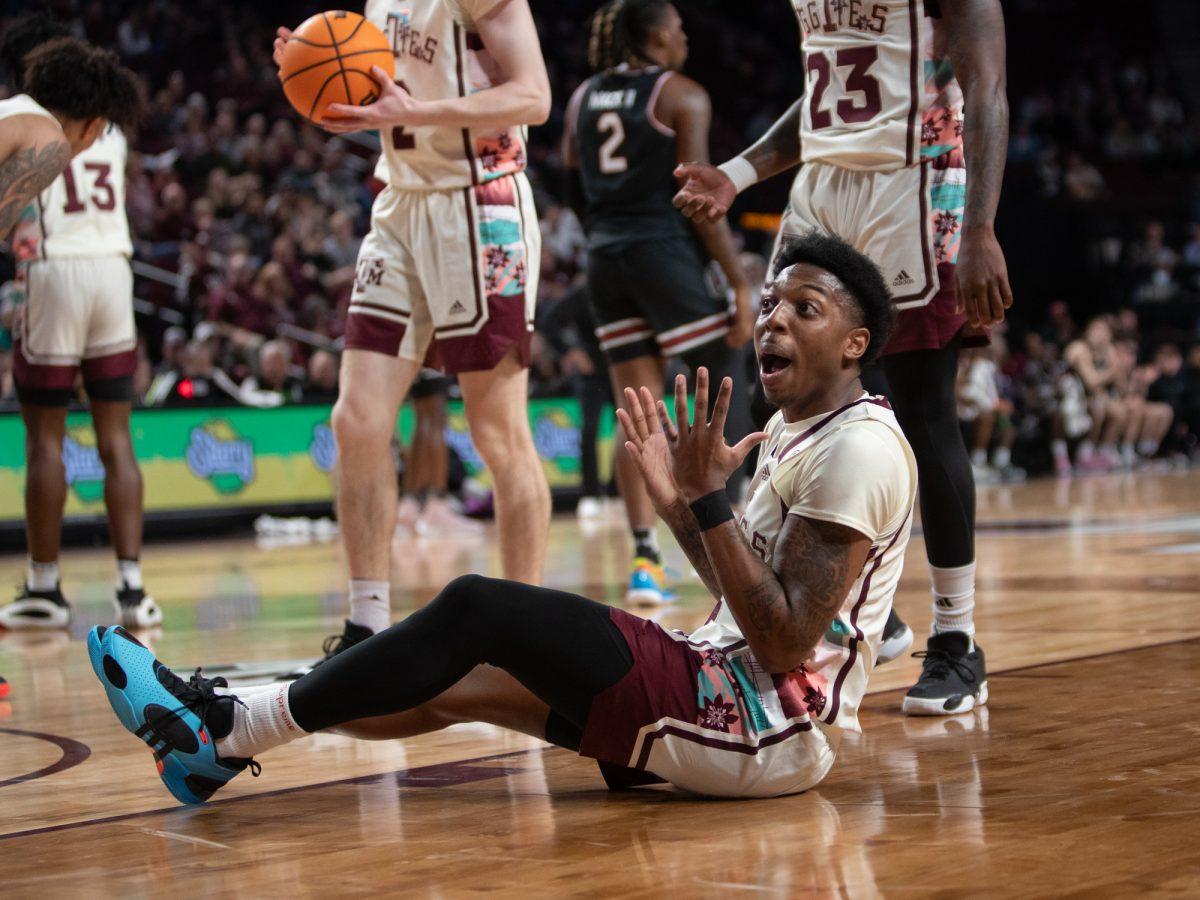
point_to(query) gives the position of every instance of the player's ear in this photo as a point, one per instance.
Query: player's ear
(92, 129)
(857, 341)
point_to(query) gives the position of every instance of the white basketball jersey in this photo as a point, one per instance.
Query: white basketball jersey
(440, 56)
(853, 467)
(83, 212)
(24, 105)
(879, 92)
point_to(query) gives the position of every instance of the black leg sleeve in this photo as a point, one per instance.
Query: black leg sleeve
(563, 648)
(921, 387)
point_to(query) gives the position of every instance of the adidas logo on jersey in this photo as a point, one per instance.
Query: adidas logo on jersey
(902, 280)
(457, 307)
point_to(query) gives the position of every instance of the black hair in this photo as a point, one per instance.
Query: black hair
(78, 81)
(620, 30)
(861, 278)
(23, 36)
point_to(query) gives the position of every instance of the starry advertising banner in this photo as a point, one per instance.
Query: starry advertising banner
(248, 459)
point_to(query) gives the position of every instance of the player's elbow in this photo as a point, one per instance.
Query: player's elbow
(538, 103)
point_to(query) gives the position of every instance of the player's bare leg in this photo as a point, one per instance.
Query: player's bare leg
(46, 480)
(647, 584)
(487, 694)
(123, 501)
(364, 419)
(41, 604)
(497, 414)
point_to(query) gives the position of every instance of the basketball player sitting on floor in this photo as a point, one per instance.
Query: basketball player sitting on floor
(752, 704)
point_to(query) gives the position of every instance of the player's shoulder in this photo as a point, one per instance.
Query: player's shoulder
(677, 86)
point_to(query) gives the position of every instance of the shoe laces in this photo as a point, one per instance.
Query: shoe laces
(938, 664)
(198, 694)
(334, 644)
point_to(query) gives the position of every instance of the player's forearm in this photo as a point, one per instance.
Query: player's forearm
(508, 104)
(977, 52)
(985, 146)
(25, 173)
(682, 522)
(757, 599)
(779, 149)
(717, 239)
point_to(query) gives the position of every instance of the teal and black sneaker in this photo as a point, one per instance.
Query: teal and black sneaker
(181, 721)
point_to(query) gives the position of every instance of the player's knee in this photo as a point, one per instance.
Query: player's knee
(44, 448)
(502, 440)
(462, 597)
(359, 426)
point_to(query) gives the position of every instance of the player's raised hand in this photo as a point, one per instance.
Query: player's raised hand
(394, 107)
(702, 460)
(705, 192)
(649, 435)
(981, 278)
(282, 36)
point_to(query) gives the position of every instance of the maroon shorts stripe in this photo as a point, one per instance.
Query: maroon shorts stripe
(715, 743)
(505, 329)
(42, 377)
(114, 365)
(374, 333)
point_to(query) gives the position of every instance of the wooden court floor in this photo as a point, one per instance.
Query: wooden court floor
(1081, 777)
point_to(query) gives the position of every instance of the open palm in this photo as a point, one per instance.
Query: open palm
(649, 445)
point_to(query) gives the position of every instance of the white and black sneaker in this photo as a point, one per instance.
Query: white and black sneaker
(897, 638)
(953, 678)
(334, 644)
(136, 609)
(37, 611)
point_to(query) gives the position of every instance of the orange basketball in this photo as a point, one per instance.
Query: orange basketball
(328, 59)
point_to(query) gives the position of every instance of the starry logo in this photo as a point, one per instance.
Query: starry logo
(81, 458)
(902, 280)
(220, 455)
(323, 448)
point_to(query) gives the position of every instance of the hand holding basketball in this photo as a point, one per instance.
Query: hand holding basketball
(334, 58)
(395, 106)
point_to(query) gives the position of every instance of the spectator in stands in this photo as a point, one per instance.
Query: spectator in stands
(1082, 180)
(1093, 359)
(195, 382)
(273, 383)
(986, 416)
(322, 383)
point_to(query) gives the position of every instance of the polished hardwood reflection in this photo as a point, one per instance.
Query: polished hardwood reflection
(1079, 777)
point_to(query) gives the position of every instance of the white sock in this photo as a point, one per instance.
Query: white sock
(263, 723)
(1086, 449)
(1059, 449)
(954, 600)
(370, 604)
(129, 573)
(1002, 457)
(978, 458)
(42, 576)
(1147, 447)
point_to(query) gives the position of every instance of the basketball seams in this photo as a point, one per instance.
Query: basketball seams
(338, 53)
(326, 62)
(317, 44)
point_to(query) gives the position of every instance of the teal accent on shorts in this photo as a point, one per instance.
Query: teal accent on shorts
(936, 150)
(500, 232)
(948, 196)
(753, 705)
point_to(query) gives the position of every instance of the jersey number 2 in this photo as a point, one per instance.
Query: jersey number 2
(610, 162)
(104, 195)
(858, 59)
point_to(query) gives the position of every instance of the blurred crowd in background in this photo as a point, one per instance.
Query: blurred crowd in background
(247, 221)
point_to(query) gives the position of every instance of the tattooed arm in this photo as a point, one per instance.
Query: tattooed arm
(34, 153)
(679, 518)
(975, 29)
(783, 612)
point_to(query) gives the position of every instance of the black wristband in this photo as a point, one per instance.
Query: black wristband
(712, 510)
